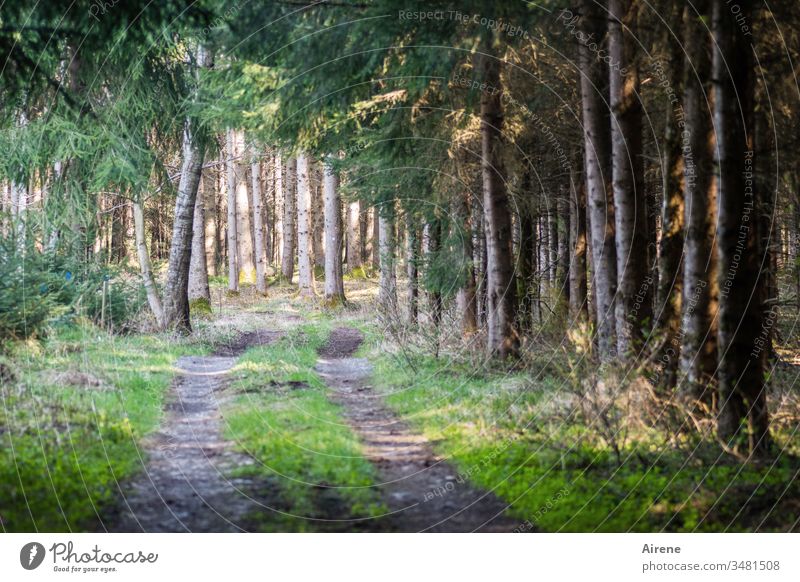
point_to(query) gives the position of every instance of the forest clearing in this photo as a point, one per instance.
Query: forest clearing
(399, 266)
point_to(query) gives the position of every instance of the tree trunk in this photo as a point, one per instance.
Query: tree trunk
(289, 200)
(670, 275)
(465, 298)
(698, 349)
(277, 207)
(247, 267)
(353, 236)
(503, 340)
(633, 307)
(258, 228)
(318, 214)
(211, 215)
(412, 268)
(334, 282)
(594, 83)
(578, 292)
(148, 280)
(387, 284)
(304, 247)
(743, 421)
(562, 268)
(233, 223)
(176, 291)
(198, 268)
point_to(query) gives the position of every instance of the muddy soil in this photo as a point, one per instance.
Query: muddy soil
(184, 486)
(423, 491)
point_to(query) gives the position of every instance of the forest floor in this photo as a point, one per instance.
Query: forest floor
(279, 415)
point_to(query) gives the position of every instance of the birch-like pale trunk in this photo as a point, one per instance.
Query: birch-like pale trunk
(289, 203)
(334, 280)
(258, 228)
(353, 236)
(304, 245)
(278, 202)
(247, 267)
(145, 266)
(198, 267)
(233, 223)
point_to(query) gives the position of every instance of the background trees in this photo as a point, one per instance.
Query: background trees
(564, 175)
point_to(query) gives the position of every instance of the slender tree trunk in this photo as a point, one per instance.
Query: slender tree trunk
(526, 262)
(304, 246)
(289, 200)
(743, 421)
(211, 215)
(503, 340)
(387, 284)
(148, 280)
(334, 281)
(258, 228)
(318, 214)
(633, 307)
(176, 296)
(670, 274)
(374, 245)
(465, 298)
(198, 268)
(600, 203)
(412, 267)
(247, 267)
(353, 236)
(578, 291)
(233, 223)
(278, 203)
(562, 270)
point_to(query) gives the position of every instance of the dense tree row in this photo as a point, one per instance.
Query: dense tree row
(610, 167)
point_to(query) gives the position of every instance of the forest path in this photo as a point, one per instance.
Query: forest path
(184, 485)
(423, 492)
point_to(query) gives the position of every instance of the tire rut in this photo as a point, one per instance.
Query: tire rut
(184, 487)
(423, 492)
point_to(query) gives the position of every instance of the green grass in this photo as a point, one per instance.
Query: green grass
(70, 423)
(285, 420)
(559, 478)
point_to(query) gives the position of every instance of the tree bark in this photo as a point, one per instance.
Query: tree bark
(600, 203)
(578, 290)
(412, 269)
(198, 268)
(670, 273)
(176, 296)
(353, 236)
(387, 284)
(304, 246)
(502, 340)
(289, 200)
(743, 422)
(334, 281)
(148, 279)
(258, 228)
(247, 267)
(233, 223)
(698, 345)
(465, 297)
(634, 289)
